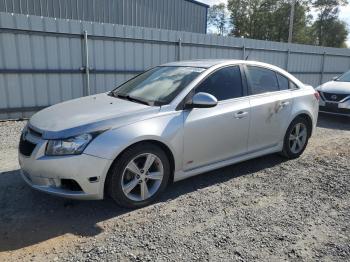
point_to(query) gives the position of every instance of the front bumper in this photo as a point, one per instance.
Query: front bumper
(47, 173)
(335, 108)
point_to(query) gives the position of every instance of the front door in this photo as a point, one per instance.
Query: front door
(218, 133)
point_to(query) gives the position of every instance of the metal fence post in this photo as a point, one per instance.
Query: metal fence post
(287, 60)
(180, 50)
(243, 49)
(323, 65)
(87, 68)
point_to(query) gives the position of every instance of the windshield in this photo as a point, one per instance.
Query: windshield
(158, 86)
(344, 78)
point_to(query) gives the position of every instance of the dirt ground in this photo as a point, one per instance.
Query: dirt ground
(267, 209)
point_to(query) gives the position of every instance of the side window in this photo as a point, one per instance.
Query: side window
(283, 82)
(224, 84)
(261, 80)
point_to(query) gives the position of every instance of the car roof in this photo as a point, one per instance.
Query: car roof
(203, 63)
(207, 63)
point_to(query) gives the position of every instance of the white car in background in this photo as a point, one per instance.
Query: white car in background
(335, 96)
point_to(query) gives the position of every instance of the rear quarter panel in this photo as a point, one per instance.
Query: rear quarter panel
(305, 102)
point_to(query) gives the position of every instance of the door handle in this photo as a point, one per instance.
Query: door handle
(282, 105)
(285, 103)
(241, 114)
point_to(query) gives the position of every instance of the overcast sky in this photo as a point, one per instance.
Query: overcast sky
(344, 12)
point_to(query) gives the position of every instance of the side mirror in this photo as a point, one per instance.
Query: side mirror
(335, 78)
(202, 100)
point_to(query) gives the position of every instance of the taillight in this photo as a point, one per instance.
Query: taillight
(317, 95)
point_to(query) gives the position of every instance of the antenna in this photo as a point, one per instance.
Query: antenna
(247, 57)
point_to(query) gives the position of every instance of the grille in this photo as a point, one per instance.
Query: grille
(334, 97)
(335, 110)
(26, 148)
(70, 184)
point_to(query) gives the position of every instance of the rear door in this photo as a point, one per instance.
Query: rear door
(218, 133)
(271, 104)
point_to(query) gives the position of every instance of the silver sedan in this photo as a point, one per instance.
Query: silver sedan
(169, 123)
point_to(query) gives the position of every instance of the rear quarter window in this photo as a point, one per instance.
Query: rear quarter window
(292, 85)
(283, 82)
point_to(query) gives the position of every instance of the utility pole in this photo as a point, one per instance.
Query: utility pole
(291, 21)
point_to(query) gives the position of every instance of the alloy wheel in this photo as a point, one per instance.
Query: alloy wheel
(142, 177)
(298, 138)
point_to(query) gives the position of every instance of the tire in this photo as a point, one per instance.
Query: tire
(129, 168)
(291, 151)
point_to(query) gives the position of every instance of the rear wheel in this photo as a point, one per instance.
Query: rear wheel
(139, 176)
(296, 138)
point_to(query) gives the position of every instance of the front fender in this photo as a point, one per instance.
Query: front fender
(166, 129)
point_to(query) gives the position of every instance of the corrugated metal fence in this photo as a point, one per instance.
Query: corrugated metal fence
(181, 15)
(44, 61)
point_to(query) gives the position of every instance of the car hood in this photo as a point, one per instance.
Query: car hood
(88, 114)
(335, 87)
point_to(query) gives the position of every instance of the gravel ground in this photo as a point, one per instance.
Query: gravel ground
(266, 209)
(9, 137)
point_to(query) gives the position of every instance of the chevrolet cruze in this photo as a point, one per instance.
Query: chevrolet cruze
(169, 123)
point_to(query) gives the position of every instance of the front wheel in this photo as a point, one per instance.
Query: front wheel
(296, 138)
(138, 176)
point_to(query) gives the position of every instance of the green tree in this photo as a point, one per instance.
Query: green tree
(302, 22)
(244, 17)
(218, 18)
(269, 19)
(328, 29)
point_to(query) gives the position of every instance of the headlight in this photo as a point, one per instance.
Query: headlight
(69, 146)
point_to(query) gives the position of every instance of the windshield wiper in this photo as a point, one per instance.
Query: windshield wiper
(138, 100)
(131, 98)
